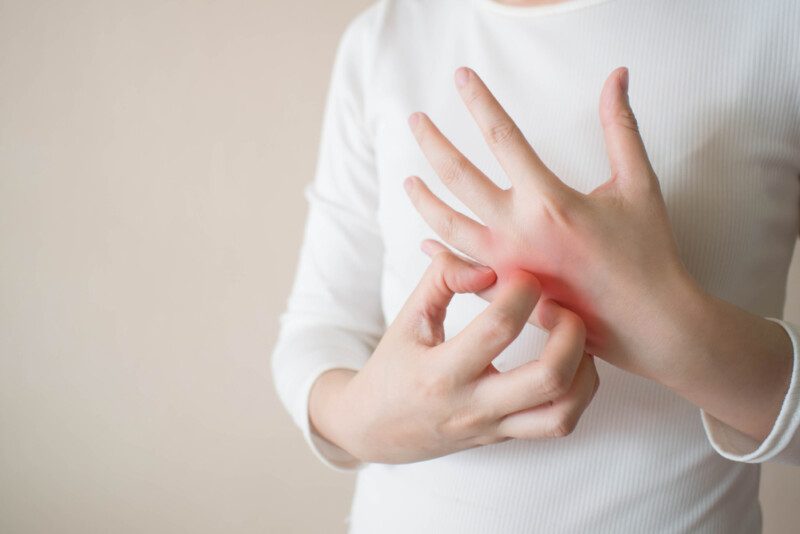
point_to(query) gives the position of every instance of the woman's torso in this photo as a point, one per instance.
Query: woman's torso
(715, 88)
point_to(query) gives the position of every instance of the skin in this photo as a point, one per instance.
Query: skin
(609, 256)
(420, 397)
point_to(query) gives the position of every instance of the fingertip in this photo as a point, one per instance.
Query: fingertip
(521, 286)
(466, 277)
(478, 277)
(610, 94)
(425, 249)
(462, 76)
(413, 119)
(484, 268)
(487, 274)
(550, 314)
(408, 183)
(547, 313)
(526, 279)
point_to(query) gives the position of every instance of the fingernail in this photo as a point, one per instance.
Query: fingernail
(623, 80)
(408, 183)
(484, 269)
(413, 119)
(462, 76)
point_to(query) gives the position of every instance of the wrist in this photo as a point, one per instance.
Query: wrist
(669, 324)
(326, 414)
(731, 363)
(689, 320)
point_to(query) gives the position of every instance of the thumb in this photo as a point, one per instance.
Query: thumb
(425, 309)
(630, 165)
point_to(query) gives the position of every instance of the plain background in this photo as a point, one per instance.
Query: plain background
(152, 158)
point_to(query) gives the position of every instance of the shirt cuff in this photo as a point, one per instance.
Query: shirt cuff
(327, 452)
(739, 447)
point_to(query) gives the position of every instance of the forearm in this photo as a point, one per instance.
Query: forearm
(734, 365)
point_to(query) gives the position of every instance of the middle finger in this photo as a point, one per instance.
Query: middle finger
(506, 141)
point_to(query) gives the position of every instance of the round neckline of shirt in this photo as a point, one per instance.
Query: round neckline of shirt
(538, 11)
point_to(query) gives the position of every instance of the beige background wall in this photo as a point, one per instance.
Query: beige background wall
(152, 156)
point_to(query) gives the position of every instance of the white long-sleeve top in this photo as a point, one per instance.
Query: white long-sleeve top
(715, 85)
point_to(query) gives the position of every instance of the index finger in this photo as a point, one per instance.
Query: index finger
(431, 247)
(485, 337)
(426, 307)
(505, 139)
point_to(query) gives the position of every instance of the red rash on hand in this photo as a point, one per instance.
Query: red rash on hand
(505, 261)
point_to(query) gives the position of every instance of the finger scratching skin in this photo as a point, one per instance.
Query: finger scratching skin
(511, 308)
(518, 283)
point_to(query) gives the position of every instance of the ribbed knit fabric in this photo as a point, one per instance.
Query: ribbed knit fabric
(715, 85)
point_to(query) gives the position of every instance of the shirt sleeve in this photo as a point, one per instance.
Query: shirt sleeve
(782, 444)
(333, 318)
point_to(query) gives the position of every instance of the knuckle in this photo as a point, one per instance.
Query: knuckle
(490, 439)
(563, 425)
(553, 382)
(557, 210)
(627, 119)
(448, 226)
(502, 132)
(435, 275)
(473, 96)
(429, 327)
(501, 324)
(453, 168)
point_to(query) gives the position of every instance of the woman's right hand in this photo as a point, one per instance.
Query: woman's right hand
(420, 397)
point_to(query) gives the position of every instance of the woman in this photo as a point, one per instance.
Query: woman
(667, 264)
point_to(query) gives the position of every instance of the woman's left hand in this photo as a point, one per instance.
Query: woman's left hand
(609, 255)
